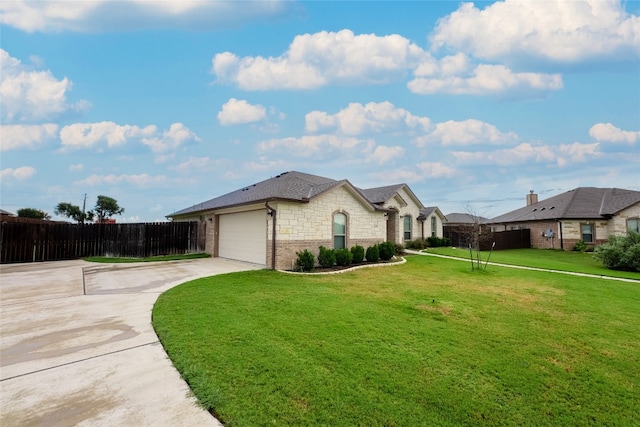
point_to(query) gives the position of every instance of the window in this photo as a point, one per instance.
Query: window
(407, 227)
(434, 224)
(633, 224)
(339, 231)
(587, 232)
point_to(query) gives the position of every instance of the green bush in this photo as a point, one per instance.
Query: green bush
(620, 252)
(344, 257)
(358, 254)
(417, 244)
(437, 242)
(580, 246)
(326, 257)
(387, 250)
(372, 254)
(305, 261)
(399, 249)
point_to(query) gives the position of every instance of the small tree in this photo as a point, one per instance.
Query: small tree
(33, 213)
(106, 207)
(74, 212)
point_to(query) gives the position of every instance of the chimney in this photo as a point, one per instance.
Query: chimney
(532, 198)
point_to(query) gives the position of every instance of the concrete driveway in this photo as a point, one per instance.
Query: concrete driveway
(77, 346)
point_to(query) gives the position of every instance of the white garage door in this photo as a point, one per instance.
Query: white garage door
(243, 236)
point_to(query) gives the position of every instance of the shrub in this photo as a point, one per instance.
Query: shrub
(387, 250)
(399, 249)
(358, 254)
(327, 257)
(373, 253)
(416, 244)
(344, 257)
(620, 252)
(436, 242)
(305, 261)
(580, 246)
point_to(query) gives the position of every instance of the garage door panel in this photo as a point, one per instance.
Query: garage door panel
(243, 236)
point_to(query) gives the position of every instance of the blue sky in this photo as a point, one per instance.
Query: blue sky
(163, 104)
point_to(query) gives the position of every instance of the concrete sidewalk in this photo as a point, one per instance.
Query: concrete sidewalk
(77, 346)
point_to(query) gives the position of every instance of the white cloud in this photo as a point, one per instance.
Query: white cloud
(576, 153)
(139, 180)
(128, 15)
(606, 132)
(27, 94)
(520, 154)
(435, 170)
(88, 135)
(466, 132)
(177, 135)
(26, 136)
(76, 167)
(193, 163)
(558, 31)
(420, 172)
(358, 119)
(20, 173)
(240, 111)
(319, 147)
(383, 154)
(315, 60)
(485, 80)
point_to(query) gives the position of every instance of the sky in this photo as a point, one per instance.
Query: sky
(165, 104)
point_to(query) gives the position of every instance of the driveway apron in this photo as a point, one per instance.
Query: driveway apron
(77, 345)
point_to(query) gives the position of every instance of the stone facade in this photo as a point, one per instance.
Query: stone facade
(301, 226)
(618, 224)
(404, 205)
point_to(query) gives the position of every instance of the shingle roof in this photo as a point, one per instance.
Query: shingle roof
(381, 194)
(464, 218)
(579, 203)
(292, 185)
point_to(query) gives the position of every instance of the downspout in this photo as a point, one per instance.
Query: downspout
(561, 238)
(272, 214)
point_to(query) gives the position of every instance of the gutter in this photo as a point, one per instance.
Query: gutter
(272, 213)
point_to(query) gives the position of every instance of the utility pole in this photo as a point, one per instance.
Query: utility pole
(84, 204)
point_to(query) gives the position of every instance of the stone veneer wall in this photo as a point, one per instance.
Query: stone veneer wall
(618, 224)
(397, 228)
(301, 226)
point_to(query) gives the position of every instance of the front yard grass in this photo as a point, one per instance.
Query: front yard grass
(579, 262)
(419, 344)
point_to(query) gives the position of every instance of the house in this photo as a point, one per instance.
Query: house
(460, 228)
(585, 214)
(269, 222)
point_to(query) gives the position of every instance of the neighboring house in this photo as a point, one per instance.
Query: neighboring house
(461, 228)
(269, 222)
(585, 214)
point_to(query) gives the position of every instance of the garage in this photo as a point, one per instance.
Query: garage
(243, 236)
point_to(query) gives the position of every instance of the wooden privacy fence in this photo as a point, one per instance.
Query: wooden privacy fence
(512, 239)
(27, 242)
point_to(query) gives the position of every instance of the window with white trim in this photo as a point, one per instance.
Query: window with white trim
(339, 231)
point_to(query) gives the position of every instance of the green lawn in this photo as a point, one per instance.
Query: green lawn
(420, 344)
(579, 262)
(117, 260)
